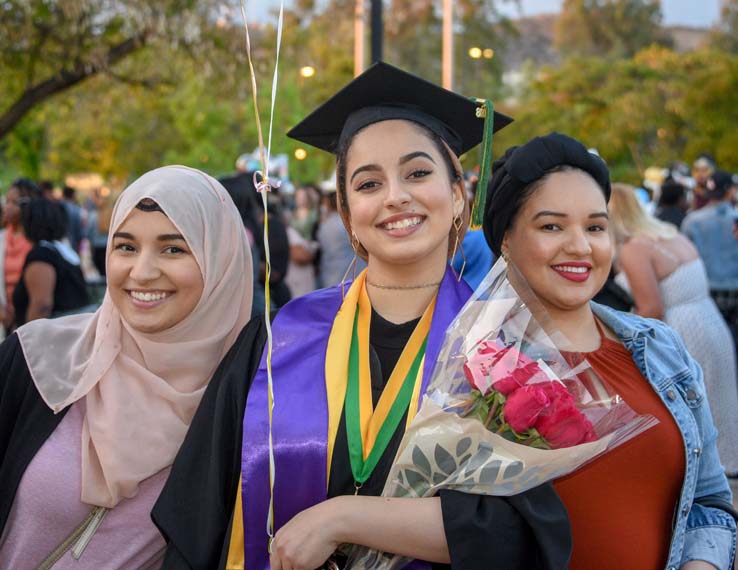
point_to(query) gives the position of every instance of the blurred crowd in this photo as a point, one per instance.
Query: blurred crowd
(679, 224)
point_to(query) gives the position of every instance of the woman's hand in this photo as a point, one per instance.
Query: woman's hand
(309, 539)
(408, 527)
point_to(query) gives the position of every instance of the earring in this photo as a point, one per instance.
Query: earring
(457, 224)
(352, 266)
(505, 256)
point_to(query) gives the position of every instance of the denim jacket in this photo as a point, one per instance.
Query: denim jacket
(702, 530)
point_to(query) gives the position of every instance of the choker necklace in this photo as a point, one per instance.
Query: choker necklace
(403, 287)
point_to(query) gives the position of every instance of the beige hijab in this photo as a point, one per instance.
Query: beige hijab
(140, 391)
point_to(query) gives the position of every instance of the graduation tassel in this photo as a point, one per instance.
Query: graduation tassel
(485, 111)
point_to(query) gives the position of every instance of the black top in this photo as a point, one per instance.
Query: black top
(387, 341)
(194, 511)
(70, 290)
(671, 214)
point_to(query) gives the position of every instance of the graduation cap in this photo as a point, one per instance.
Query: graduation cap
(384, 92)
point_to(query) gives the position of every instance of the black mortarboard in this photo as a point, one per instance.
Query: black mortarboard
(384, 92)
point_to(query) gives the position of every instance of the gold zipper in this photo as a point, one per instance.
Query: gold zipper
(78, 539)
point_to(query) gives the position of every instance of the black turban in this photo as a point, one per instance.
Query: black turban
(523, 165)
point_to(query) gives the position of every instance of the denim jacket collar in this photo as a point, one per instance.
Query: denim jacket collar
(622, 324)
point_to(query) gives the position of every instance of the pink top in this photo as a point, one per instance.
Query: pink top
(47, 508)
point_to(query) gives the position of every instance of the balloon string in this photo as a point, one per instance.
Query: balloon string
(263, 185)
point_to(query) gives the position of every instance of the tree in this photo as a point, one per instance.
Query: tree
(413, 41)
(618, 28)
(654, 108)
(725, 34)
(49, 46)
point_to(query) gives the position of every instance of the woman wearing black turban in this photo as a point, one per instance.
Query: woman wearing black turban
(662, 500)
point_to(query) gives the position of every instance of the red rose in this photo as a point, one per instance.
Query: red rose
(507, 385)
(500, 367)
(562, 425)
(557, 393)
(527, 370)
(480, 368)
(523, 407)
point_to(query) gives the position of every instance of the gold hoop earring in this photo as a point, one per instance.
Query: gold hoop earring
(457, 224)
(351, 266)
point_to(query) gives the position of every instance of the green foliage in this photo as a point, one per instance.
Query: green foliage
(725, 34)
(618, 28)
(185, 96)
(654, 108)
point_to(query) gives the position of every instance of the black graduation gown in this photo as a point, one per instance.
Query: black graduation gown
(194, 511)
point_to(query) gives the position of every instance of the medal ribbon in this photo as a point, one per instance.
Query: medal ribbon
(369, 430)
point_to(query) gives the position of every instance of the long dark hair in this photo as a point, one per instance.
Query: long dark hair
(43, 220)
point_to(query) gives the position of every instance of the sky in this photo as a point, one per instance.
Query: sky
(701, 13)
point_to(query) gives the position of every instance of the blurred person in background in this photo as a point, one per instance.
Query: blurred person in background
(301, 271)
(74, 217)
(51, 282)
(305, 216)
(337, 255)
(46, 187)
(14, 244)
(279, 249)
(474, 259)
(649, 191)
(711, 231)
(667, 279)
(98, 223)
(240, 188)
(673, 205)
(702, 169)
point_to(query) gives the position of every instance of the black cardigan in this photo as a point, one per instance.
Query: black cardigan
(25, 422)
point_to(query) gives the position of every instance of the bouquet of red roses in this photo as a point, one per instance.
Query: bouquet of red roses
(522, 399)
(507, 409)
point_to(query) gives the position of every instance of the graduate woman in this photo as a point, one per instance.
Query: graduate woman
(94, 407)
(368, 347)
(661, 500)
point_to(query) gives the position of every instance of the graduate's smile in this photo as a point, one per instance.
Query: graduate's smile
(148, 299)
(153, 277)
(401, 225)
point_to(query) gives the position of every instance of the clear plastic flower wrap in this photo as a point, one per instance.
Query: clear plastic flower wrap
(507, 409)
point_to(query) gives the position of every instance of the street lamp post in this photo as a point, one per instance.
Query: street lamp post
(359, 37)
(448, 44)
(377, 29)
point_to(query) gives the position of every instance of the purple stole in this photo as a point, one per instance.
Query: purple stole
(300, 423)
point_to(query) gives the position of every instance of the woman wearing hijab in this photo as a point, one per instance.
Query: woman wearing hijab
(94, 407)
(397, 140)
(662, 500)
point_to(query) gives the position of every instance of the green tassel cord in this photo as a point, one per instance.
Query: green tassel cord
(485, 111)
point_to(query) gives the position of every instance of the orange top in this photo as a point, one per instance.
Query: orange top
(16, 249)
(621, 505)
